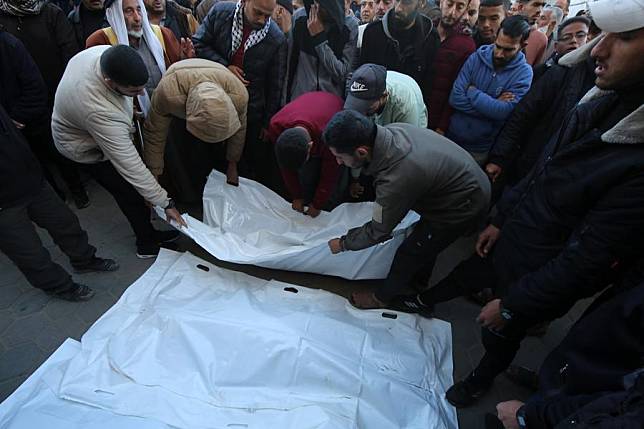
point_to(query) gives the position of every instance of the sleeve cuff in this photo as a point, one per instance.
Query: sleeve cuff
(318, 39)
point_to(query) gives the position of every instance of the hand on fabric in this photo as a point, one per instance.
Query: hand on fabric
(506, 96)
(312, 211)
(18, 125)
(335, 244)
(486, 240)
(490, 316)
(507, 413)
(173, 214)
(298, 205)
(187, 49)
(493, 171)
(356, 190)
(314, 23)
(239, 73)
(232, 176)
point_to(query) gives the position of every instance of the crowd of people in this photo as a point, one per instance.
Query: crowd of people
(513, 120)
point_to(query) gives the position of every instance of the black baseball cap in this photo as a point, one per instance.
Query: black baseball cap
(368, 83)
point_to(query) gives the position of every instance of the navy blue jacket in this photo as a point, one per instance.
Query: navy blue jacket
(478, 115)
(264, 63)
(23, 93)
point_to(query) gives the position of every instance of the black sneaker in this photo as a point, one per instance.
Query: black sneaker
(81, 200)
(466, 392)
(97, 264)
(411, 304)
(166, 236)
(76, 293)
(147, 251)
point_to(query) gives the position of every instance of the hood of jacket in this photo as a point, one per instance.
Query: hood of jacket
(486, 54)
(386, 150)
(629, 130)
(580, 54)
(333, 8)
(424, 23)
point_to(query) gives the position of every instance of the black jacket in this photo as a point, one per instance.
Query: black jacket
(597, 363)
(578, 215)
(176, 19)
(380, 47)
(50, 40)
(538, 116)
(264, 63)
(20, 172)
(22, 90)
(82, 27)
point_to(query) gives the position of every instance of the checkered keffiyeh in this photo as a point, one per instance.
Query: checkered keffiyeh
(255, 36)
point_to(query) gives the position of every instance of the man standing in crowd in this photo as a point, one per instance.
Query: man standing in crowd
(471, 17)
(413, 169)
(537, 42)
(575, 224)
(322, 50)
(571, 34)
(87, 17)
(213, 103)
(367, 11)
(454, 49)
(492, 81)
(382, 7)
(242, 37)
(49, 38)
(25, 199)
(168, 14)
(491, 14)
(310, 172)
(404, 41)
(283, 15)
(91, 124)
(538, 116)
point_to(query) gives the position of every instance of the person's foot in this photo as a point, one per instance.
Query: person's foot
(466, 392)
(166, 236)
(411, 304)
(76, 293)
(81, 200)
(147, 251)
(97, 264)
(523, 377)
(366, 301)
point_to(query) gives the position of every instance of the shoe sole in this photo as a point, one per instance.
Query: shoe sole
(85, 271)
(140, 256)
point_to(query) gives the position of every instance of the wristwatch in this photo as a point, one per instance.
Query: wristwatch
(342, 248)
(521, 417)
(506, 313)
(170, 205)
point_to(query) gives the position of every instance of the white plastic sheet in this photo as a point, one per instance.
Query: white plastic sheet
(250, 224)
(195, 349)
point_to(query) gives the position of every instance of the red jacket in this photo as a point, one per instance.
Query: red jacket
(451, 55)
(312, 111)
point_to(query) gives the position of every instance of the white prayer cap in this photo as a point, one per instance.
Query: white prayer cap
(617, 16)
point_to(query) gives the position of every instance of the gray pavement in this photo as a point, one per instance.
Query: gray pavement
(32, 325)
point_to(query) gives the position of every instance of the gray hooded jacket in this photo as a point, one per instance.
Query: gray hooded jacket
(418, 169)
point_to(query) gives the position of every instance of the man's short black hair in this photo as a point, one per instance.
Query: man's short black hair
(123, 65)
(572, 20)
(348, 130)
(516, 26)
(292, 148)
(493, 3)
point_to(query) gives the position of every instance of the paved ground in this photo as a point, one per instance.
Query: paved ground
(32, 325)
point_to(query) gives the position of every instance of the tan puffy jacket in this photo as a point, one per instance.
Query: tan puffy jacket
(169, 100)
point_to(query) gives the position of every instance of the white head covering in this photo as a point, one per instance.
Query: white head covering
(617, 16)
(116, 19)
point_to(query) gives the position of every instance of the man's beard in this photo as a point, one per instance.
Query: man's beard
(137, 34)
(406, 21)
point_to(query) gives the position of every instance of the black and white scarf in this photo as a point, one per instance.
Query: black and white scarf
(21, 7)
(255, 36)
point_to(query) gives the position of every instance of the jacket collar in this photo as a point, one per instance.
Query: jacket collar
(424, 23)
(629, 130)
(386, 150)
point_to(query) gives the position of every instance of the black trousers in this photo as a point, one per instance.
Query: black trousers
(416, 257)
(21, 243)
(128, 199)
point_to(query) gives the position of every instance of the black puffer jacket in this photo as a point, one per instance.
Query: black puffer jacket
(264, 63)
(538, 116)
(22, 90)
(380, 47)
(579, 213)
(20, 172)
(50, 40)
(585, 378)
